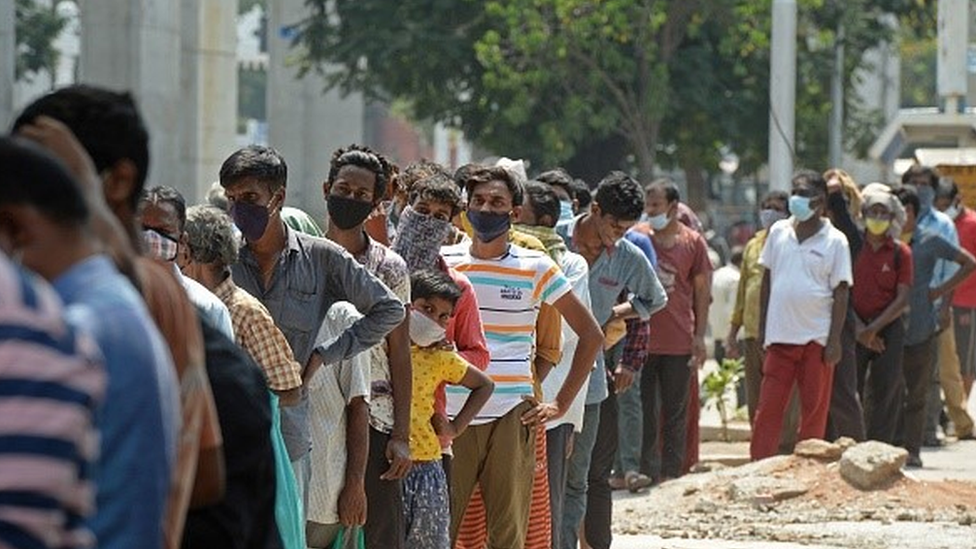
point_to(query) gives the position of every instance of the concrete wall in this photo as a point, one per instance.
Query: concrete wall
(305, 124)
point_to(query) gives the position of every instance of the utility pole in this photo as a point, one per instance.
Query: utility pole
(8, 60)
(782, 95)
(837, 100)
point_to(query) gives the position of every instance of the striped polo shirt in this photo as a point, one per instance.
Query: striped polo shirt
(50, 385)
(510, 290)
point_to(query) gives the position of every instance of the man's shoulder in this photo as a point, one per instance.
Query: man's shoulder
(528, 258)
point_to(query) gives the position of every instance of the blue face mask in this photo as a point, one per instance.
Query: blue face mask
(565, 211)
(489, 225)
(800, 208)
(659, 221)
(769, 216)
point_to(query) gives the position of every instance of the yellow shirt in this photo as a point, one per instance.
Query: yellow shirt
(431, 367)
(746, 311)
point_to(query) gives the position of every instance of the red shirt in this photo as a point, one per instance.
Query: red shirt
(876, 277)
(965, 294)
(673, 328)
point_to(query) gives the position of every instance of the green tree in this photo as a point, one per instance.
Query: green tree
(613, 83)
(36, 26)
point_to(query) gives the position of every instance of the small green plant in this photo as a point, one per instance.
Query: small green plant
(716, 388)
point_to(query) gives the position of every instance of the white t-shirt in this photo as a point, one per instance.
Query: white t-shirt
(803, 278)
(510, 290)
(578, 274)
(725, 285)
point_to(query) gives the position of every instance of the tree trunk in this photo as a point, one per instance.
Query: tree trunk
(697, 192)
(645, 150)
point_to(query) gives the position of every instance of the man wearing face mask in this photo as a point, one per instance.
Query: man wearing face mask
(930, 219)
(357, 182)
(615, 266)
(299, 278)
(745, 316)
(803, 308)
(498, 450)
(677, 346)
(949, 201)
(162, 211)
(957, 348)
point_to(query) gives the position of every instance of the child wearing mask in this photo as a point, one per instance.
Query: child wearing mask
(425, 500)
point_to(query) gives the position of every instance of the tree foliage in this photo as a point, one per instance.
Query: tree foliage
(636, 81)
(36, 27)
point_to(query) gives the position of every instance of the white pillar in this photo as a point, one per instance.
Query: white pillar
(209, 107)
(305, 123)
(135, 46)
(782, 95)
(8, 61)
(951, 67)
(837, 101)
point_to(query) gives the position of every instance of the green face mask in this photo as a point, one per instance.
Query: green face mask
(877, 227)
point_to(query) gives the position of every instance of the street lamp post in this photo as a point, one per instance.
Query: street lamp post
(782, 95)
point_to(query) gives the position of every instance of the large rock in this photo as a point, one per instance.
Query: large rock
(819, 449)
(869, 465)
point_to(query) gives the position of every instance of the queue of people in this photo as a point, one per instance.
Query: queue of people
(456, 360)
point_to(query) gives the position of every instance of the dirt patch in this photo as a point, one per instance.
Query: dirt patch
(702, 505)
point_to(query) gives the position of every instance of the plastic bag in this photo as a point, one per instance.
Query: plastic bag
(288, 506)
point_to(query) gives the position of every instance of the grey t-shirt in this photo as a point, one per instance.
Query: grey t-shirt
(927, 249)
(311, 275)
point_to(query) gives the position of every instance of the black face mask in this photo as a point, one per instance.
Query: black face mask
(346, 213)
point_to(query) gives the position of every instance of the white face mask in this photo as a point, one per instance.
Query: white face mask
(424, 332)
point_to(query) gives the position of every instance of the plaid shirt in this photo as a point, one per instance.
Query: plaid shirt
(257, 334)
(636, 343)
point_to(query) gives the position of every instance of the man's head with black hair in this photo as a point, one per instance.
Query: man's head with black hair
(908, 196)
(255, 162)
(583, 195)
(661, 198)
(43, 213)
(411, 175)
(436, 195)
(108, 125)
(561, 181)
(359, 157)
(540, 206)
(776, 200)
(920, 175)
(472, 176)
(616, 207)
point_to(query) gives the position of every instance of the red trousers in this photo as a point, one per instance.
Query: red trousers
(784, 365)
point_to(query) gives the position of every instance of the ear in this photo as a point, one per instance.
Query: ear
(119, 182)
(575, 205)
(516, 212)
(325, 189)
(595, 209)
(15, 227)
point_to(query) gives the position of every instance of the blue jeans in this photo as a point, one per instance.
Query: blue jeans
(630, 421)
(574, 504)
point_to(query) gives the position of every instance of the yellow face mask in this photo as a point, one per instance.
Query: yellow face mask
(877, 227)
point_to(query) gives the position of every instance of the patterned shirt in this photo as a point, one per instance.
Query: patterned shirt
(52, 384)
(256, 333)
(431, 367)
(390, 268)
(510, 290)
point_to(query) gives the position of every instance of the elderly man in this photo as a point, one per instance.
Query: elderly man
(212, 249)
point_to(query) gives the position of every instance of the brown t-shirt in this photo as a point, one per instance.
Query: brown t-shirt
(673, 328)
(177, 321)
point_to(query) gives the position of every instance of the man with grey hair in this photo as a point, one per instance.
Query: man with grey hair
(213, 248)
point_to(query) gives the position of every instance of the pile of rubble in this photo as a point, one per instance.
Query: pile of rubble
(812, 496)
